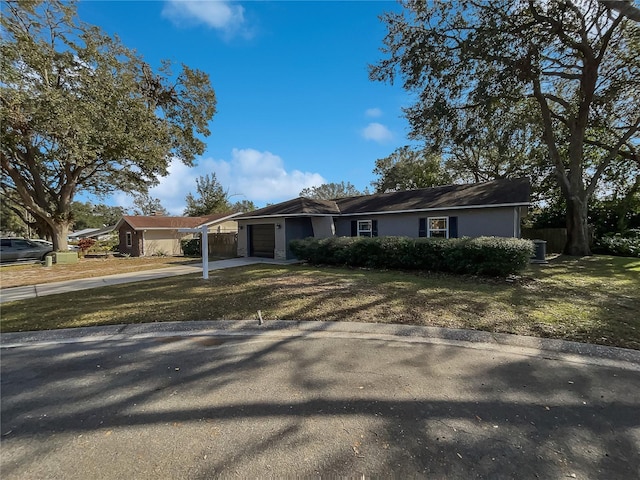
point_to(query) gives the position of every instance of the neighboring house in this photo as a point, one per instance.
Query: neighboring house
(148, 235)
(101, 233)
(483, 209)
(84, 233)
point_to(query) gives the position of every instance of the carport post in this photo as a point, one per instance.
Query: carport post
(204, 245)
(204, 240)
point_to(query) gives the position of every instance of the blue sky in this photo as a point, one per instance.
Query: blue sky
(295, 105)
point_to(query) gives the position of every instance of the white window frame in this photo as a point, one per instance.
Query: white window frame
(445, 229)
(128, 239)
(362, 232)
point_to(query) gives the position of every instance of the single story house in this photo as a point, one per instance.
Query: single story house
(84, 233)
(148, 235)
(483, 209)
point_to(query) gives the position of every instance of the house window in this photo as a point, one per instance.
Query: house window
(438, 227)
(129, 239)
(365, 228)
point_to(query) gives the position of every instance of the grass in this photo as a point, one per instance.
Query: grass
(34, 273)
(591, 299)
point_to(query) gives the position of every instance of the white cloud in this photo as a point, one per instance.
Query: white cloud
(377, 132)
(261, 177)
(220, 14)
(373, 113)
(250, 175)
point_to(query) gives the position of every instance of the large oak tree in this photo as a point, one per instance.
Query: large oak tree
(577, 61)
(82, 112)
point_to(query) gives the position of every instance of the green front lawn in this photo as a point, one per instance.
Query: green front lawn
(594, 299)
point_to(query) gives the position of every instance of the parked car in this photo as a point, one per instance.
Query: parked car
(19, 249)
(50, 244)
(46, 243)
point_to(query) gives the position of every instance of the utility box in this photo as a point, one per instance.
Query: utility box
(540, 252)
(63, 258)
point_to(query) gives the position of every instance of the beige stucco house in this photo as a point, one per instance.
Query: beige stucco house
(154, 235)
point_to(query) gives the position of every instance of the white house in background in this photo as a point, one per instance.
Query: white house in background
(84, 233)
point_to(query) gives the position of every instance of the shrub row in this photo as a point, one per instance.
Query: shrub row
(491, 256)
(627, 245)
(191, 248)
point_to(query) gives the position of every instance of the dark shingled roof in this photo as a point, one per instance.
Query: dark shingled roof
(297, 206)
(497, 192)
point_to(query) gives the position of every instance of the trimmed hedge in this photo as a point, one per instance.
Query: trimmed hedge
(492, 256)
(191, 248)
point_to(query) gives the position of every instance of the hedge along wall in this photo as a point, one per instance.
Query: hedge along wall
(493, 256)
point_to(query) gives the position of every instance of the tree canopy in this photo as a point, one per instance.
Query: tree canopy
(82, 112)
(243, 206)
(330, 191)
(145, 204)
(408, 169)
(211, 198)
(90, 215)
(573, 65)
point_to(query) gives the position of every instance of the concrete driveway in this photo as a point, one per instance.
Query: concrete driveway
(208, 400)
(44, 289)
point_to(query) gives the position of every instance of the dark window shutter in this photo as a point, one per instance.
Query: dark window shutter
(422, 230)
(374, 228)
(354, 228)
(453, 227)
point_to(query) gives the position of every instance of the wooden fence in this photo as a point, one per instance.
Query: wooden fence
(223, 245)
(556, 238)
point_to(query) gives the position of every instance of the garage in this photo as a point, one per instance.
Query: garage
(262, 240)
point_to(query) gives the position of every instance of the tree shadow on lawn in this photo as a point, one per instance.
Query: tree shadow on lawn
(533, 307)
(343, 407)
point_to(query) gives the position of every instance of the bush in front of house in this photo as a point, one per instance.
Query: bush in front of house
(84, 244)
(626, 245)
(492, 256)
(103, 247)
(191, 248)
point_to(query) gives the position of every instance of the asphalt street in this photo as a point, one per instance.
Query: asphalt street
(276, 403)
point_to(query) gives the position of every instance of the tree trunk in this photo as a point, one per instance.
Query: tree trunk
(577, 228)
(59, 233)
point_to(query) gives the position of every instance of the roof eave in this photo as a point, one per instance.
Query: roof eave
(415, 210)
(220, 220)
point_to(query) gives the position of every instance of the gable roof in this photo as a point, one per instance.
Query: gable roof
(101, 231)
(82, 233)
(159, 222)
(297, 206)
(503, 192)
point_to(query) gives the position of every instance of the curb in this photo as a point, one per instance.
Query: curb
(552, 349)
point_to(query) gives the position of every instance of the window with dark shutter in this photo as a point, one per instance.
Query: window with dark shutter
(374, 228)
(437, 227)
(354, 228)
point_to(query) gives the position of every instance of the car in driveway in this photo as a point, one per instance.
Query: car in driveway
(50, 244)
(42, 242)
(22, 249)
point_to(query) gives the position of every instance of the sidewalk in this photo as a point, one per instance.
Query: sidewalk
(43, 289)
